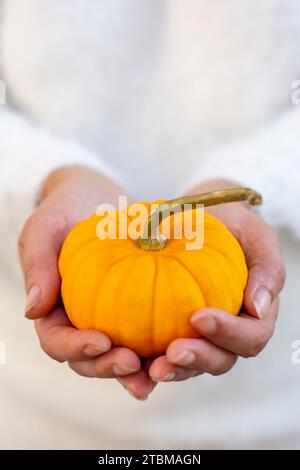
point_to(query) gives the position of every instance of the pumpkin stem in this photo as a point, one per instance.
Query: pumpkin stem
(157, 241)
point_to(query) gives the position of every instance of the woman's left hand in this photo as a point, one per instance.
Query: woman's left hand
(225, 337)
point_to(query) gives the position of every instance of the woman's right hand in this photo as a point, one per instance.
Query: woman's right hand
(70, 195)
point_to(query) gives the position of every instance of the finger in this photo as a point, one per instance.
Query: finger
(266, 269)
(61, 341)
(243, 335)
(39, 245)
(138, 385)
(113, 364)
(201, 355)
(161, 370)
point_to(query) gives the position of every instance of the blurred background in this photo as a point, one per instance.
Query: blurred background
(164, 93)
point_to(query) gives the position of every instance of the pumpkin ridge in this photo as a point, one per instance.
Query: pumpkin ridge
(80, 266)
(65, 247)
(235, 240)
(84, 245)
(99, 285)
(209, 230)
(79, 249)
(153, 301)
(75, 275)
(225, 272)
(229, 262)
(239, 273)
(71, 256)
(100, 248)
(189, 272)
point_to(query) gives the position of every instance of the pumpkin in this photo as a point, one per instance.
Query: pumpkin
(142, 292)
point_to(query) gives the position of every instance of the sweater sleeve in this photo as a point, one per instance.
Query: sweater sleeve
(27, 154)
(268, 161)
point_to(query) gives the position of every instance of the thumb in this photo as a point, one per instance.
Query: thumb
(39, 246)
(266, 273)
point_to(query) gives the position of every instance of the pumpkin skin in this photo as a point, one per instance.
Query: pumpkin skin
(141, 299)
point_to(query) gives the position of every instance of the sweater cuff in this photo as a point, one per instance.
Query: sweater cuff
(28, 155)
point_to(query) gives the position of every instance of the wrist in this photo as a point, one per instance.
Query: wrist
(80, 179)
(62, 174)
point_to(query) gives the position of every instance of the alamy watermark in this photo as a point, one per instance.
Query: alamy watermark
(2, 353)
(179, 222)
(2, 92)
(295, 96)
(295, 358)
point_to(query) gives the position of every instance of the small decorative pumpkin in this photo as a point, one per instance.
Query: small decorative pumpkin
(141, 293)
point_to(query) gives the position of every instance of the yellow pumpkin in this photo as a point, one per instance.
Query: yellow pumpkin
(141, 296)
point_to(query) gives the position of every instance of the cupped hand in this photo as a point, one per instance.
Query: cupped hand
(224, 337)
(68, 196)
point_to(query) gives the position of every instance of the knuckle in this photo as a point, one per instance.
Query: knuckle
(253, 351)
(205, 362)
(258, 345)
(277, 274)
(225, 367)
(73, 349)
(74, 367)
(28, 268)
(250, 235)
(249, 353)
(48, 350)
(25, 230)
(228, 331)
(281, 274)
(54, 223)
(100, 371)
(36, 267)
(28, 224)
(253, 233)
(196, 373)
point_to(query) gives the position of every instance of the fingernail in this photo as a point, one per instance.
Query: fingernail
(94, 350)
(168, 377)
(205, 323)
(184, 358)
(262, 301)
(33, 298)
(121, 369)
(130, 392)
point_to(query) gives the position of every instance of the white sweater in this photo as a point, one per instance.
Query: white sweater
(158, 94)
